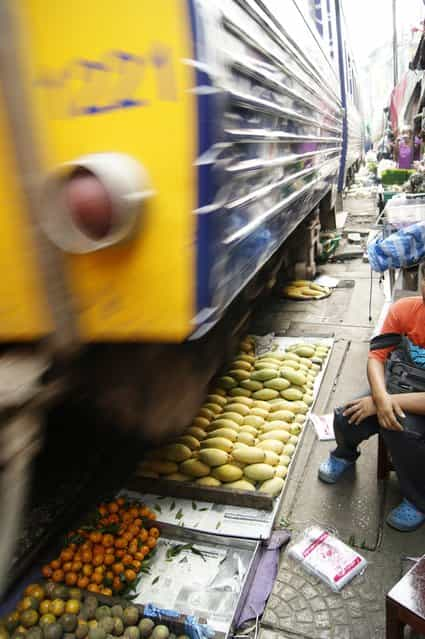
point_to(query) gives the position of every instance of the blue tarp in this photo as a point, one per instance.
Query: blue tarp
(403, 248)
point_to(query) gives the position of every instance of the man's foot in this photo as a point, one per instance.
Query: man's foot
(405, 517)
(331, 470)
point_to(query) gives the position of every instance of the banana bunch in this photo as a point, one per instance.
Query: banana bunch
(305, 290)
(246, 432)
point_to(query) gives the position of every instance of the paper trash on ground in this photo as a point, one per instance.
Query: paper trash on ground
(327, 557)
(323, 425)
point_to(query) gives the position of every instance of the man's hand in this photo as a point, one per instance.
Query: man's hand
(358, 409)
(387, 411)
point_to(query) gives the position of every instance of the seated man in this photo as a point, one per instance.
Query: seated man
(399, 417)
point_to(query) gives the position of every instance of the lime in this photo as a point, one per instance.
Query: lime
(47, 619)
(57, 607)
(29, 618)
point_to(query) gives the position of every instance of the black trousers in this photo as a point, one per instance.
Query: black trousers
(407, 449)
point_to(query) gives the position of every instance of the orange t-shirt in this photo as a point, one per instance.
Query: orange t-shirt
(406, 316)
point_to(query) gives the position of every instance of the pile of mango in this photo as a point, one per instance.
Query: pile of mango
(305, 290)
(246, 432)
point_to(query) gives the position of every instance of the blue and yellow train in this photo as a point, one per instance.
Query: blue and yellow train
(213, 129)
(155, 158)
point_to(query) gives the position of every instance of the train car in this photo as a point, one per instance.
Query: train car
(353, 126)
(328, 17)
(156, 158)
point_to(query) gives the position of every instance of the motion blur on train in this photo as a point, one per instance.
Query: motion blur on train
(164, 164)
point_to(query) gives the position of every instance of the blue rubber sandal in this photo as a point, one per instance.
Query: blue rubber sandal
(405, 517)
(333, 468)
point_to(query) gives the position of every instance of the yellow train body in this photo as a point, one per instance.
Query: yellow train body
(109, 79)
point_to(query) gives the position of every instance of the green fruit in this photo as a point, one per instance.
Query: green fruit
(160, 632)
(266, 394)
(295, 377)
(69, 635)
(34, 633)
(103, 611)
(132, 633)
(84, 613)
(263, 374)
(28, 603)
(57, 607)
(60, 592)
(305, 351)
(91, 610)
(226, 382)
(228, 433)
(53, 631)
(117, 611)
(176, 452)
(11, 621)
(118, 628)
(93, 623)
(29, 618)
(75, 593)
(131, 616)
(251, 385)
(47, 620)
(97, 633)
(82, 629)
(146, 626)
(292, 394)
(69, 622)
(107, 624)
(278, 383)
(240, 392)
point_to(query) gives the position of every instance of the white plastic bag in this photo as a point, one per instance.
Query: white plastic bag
(327, 557)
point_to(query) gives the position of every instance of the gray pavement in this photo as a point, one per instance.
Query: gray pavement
(301, 606)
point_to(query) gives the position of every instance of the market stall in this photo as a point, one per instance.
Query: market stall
(177, 548)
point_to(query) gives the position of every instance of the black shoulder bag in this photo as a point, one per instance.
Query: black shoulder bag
(401, 373)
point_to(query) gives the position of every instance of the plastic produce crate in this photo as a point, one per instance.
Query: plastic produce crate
(396, 176)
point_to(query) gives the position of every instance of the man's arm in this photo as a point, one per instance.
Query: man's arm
(411, 402)
(388, 406)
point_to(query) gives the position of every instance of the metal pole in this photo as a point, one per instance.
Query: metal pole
(395, 45)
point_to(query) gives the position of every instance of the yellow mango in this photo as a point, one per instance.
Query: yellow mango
(227, 473)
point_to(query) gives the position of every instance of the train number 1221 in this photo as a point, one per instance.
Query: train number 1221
(116, 81)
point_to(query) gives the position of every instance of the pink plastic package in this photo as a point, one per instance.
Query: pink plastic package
(325, 556)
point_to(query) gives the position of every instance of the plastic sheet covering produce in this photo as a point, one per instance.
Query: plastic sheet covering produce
(196, 579)
(401, 249)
